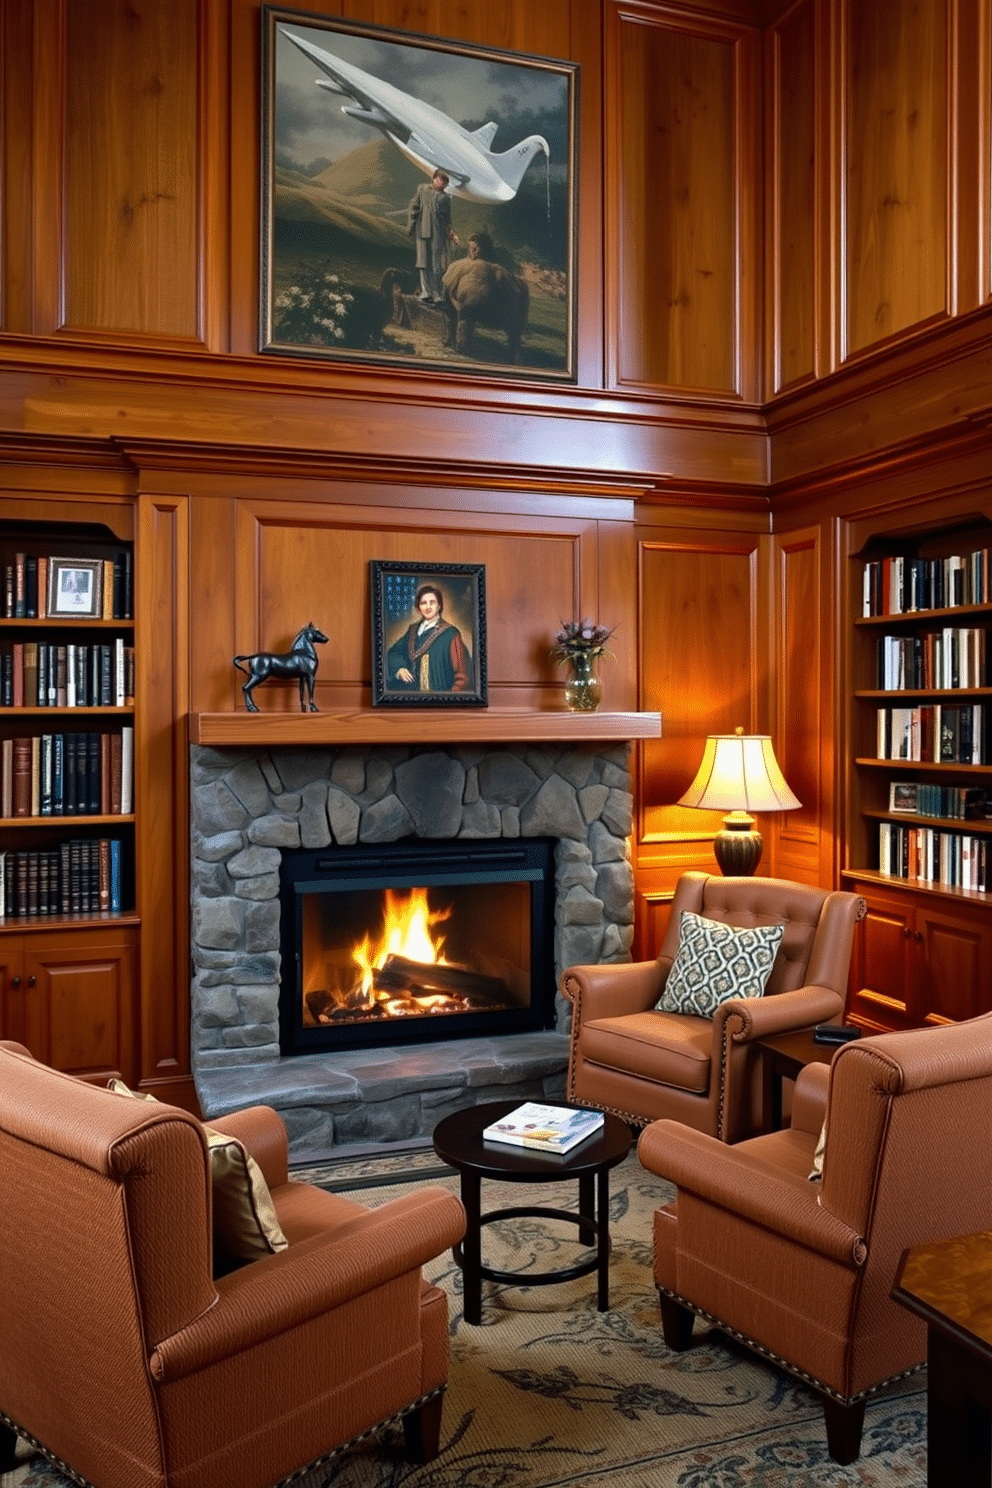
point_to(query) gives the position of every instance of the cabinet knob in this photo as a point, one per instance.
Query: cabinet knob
(907, 934)
(15, 981)
(919, 935)
(32, 981)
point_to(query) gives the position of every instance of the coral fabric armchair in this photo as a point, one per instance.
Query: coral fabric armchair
(123, 1356)
(644, 1063)
(802, 1271)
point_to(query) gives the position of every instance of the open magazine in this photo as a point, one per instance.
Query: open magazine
(549, 1128)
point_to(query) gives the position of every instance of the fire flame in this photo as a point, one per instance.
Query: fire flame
(408, 931)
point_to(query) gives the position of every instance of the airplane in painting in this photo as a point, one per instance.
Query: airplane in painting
(425, 135)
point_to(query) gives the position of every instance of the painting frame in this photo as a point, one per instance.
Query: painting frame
(341, 240)
(75, 588)
(412, 668)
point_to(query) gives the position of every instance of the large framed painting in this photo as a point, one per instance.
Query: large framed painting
(418, 200)
(428, 634)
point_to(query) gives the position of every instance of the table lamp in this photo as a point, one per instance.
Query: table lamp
(739, 774)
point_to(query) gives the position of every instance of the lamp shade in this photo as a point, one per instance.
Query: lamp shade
(739, 772)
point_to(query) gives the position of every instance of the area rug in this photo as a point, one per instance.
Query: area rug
(549, 1392)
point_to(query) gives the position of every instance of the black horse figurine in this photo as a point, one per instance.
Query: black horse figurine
(300, 662)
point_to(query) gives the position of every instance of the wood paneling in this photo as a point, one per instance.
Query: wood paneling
(681, 258)
(804, 721)
(131, 180)
(791, 53)
(896, 153)
(291, 563)
(703, 666)
(162, 635)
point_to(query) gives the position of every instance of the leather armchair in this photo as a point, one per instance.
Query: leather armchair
(122, 1356)
(802, 1271)
(643, 1064)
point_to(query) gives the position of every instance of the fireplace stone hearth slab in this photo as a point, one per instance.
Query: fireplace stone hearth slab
(383, 1095)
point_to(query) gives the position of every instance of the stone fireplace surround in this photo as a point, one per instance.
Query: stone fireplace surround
(248, 803)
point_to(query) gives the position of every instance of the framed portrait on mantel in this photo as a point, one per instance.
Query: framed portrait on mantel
(428, 634)
(418, 200)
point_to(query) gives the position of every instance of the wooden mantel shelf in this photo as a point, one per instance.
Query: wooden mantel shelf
(418, 726)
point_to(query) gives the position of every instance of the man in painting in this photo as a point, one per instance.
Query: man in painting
(431, 656)
(429, 224)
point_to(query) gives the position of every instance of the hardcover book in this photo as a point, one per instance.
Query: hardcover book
(549, 1128)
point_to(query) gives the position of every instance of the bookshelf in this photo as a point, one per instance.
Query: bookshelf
(68, 920)
(919, 829)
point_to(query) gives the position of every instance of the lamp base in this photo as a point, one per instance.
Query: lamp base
(737, 848)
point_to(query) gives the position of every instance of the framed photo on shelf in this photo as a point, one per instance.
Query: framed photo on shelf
(418, 200)
(902, 796)
(428, 634)
(75, 588)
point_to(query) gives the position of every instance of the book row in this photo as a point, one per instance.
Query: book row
(955, 802)
(84, 774)
(34, 674)
(955, 860)
(48, 588)
(80, 876)
(939, 733)
(952, 657)
(899, 585)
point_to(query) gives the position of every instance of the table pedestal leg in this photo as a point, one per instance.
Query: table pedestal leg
(603, 1184)
(472, 1248)
(587, 1208)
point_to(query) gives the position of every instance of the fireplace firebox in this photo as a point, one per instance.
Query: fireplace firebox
(403, 942)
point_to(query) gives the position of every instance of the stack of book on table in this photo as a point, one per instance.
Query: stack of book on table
(547, 1128)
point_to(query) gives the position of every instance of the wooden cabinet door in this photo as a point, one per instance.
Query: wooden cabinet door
(12, 988)
(954, 948)
(883, 961)
(78, 1001)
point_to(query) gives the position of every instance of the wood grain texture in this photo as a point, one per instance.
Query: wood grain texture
(897, 159)
(162, 639)
(791, 53)
(701, 653)
(131, 177)
(674, 99)
(417, 726)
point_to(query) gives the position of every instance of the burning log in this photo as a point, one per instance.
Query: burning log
(419, 979)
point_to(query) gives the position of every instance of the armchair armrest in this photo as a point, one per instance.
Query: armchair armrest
(282, 1291)
(612, 990)
(730, 1179)
(263, 1132)
(750, 1018)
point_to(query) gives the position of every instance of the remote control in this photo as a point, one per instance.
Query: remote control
(834, 1033)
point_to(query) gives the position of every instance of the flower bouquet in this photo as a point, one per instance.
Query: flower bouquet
(579, 643)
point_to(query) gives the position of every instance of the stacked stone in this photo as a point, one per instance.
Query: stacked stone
(245, 810)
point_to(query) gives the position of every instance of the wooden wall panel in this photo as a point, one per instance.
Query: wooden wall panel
(801, 841)
(703, 664)
(162, 633)
(792, 242)
(895, 180)
(280, 565)
(131, 180)
(675, 93)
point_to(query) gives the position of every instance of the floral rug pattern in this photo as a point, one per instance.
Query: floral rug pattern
(549, 1392)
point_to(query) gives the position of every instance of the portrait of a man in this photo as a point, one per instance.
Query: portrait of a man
(428, 634)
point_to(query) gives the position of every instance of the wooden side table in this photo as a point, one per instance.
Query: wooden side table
(949, 1285)
(458, 1141)
(782, 1058)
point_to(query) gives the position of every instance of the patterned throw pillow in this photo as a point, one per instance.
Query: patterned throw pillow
(716, 962)
(246, 1226)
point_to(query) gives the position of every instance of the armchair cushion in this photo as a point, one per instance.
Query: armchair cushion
(716, 962)
(245, 1224)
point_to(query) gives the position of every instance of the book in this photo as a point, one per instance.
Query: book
(127, 770)
(548, 1128)
(21, 785)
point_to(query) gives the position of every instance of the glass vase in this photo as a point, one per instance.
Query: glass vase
(583, 690)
